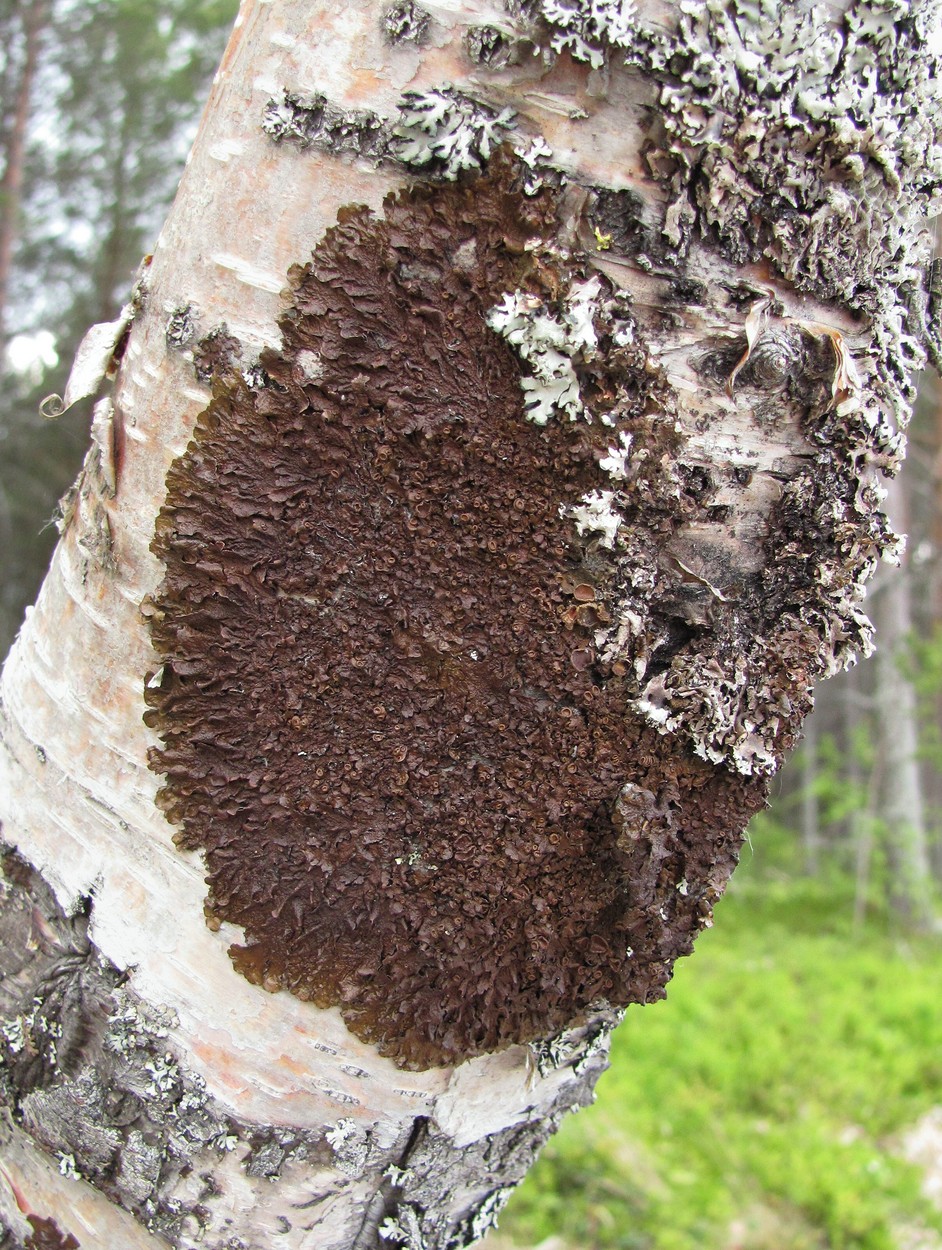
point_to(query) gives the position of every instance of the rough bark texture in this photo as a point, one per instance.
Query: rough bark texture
(472, 608)
(87, 1073)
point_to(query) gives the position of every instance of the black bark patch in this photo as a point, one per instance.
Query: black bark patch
(86, 1069)
(688, 291)
(618, 216)
(395, 753)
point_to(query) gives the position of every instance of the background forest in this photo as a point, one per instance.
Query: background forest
(788, 1094)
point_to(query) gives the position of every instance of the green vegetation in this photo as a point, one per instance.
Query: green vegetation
(761, 1106)
(118, 91)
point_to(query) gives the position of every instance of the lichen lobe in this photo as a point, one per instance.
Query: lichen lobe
(380, 716)
(46, 1234)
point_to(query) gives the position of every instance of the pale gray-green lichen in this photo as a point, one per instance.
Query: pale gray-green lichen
(489, 46)
(588, 28)
(350, 1144)
(445, 131)
(812, 143)
(181, 326)
(404, 1228)
(313, 121)
(549, 343)
(807, 140)
(594, 514)
(440, 133)
(578, 1047)
(555, 337)
(789, 134)
(406, 22)
(722, 658)
(535, 156)
(486, 1216)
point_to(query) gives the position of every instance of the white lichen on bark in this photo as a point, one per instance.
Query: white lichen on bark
(823, 165)
(588, 30)
(548, 344)
(446, 132)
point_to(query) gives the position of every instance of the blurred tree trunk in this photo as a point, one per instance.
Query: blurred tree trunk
(33, 16)
(857, 712)
(810, 807)
(472, 588)
(901, 807)
(121, 92)
(934, 771)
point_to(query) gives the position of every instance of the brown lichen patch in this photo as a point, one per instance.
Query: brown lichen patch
(47, 1235)
(216, 353)
(381, 722)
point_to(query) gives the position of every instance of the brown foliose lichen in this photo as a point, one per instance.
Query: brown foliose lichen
(215, 353)
(47, 1235)
(384, 717)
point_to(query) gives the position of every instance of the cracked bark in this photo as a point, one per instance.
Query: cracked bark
(474, 588)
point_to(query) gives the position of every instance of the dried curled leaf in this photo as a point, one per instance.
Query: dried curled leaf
(756, 322)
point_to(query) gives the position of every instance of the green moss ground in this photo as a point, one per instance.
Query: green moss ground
(761, 1106)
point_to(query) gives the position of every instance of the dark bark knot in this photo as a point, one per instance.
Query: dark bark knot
(379, 718)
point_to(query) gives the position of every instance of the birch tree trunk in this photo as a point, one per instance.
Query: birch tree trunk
(489, 474)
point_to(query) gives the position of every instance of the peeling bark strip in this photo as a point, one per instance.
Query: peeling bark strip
(384, 720)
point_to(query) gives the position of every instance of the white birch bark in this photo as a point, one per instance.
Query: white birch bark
(280, 1127)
